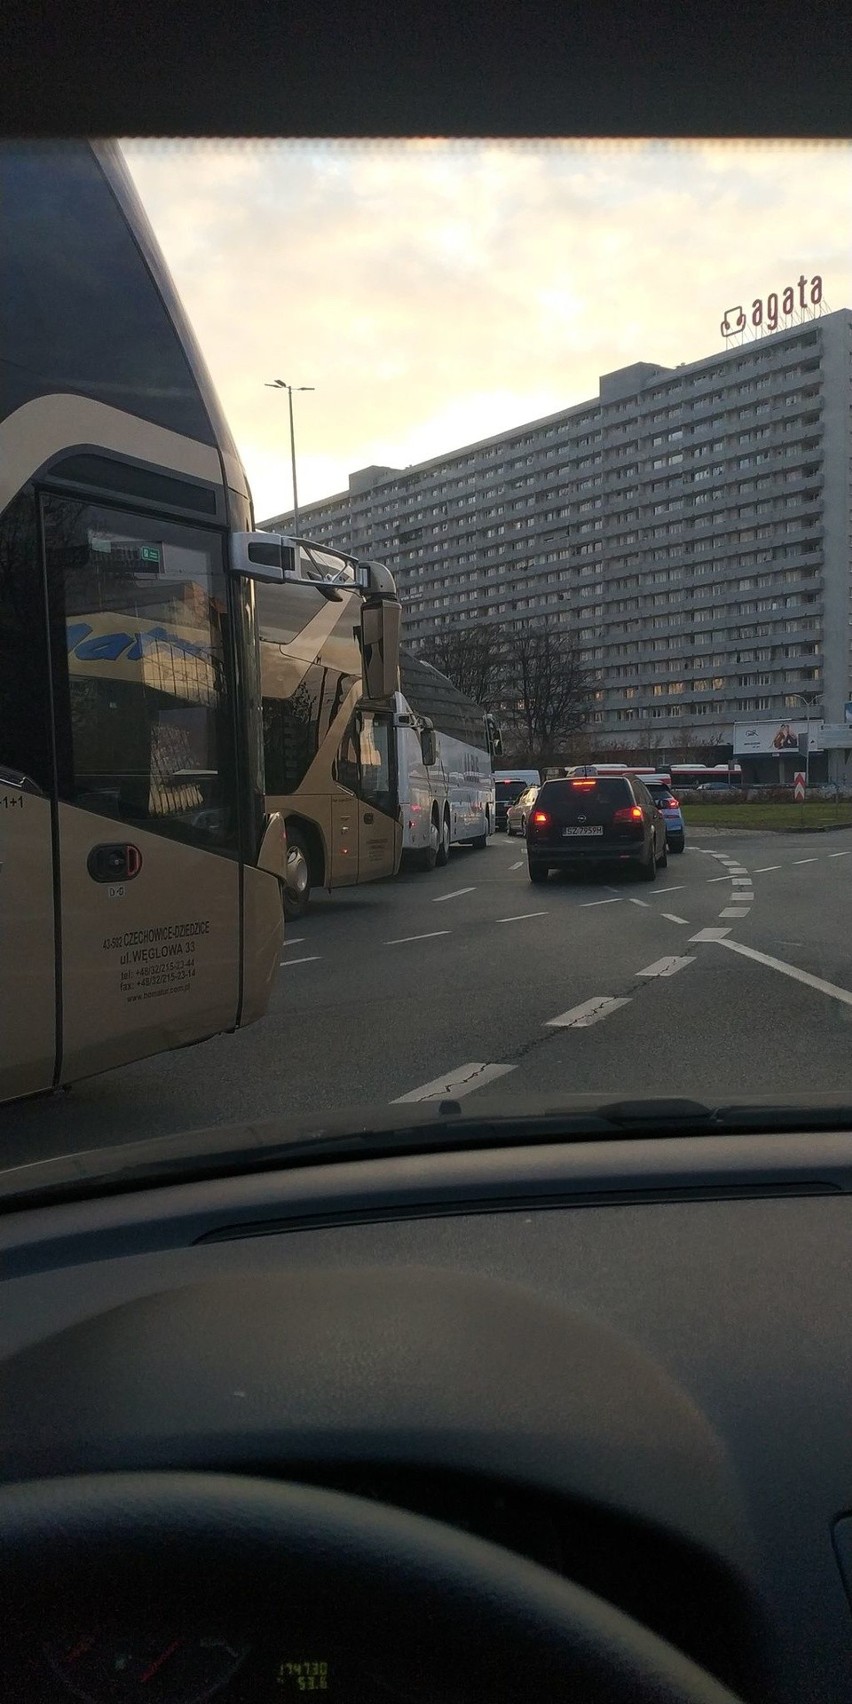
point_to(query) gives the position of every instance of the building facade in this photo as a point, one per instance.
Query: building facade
(690, 527)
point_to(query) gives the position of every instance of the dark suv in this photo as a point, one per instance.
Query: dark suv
(595, 820)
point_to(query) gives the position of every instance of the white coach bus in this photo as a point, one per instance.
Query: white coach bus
(445, 749)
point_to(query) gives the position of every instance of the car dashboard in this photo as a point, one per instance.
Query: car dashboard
(629, 1361)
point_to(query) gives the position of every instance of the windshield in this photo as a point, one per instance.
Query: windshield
(584, 410)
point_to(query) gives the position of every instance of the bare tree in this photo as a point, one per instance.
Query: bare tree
(644, 743)
(546, 689)
(530, 674)
(469, 657)
(704, 745)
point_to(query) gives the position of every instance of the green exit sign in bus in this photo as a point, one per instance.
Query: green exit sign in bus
(150, 553)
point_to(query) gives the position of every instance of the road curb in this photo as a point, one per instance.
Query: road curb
(778, 828)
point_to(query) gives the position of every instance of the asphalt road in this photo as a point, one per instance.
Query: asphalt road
(730, 976)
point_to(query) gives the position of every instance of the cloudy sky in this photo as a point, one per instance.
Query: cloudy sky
(435, 292)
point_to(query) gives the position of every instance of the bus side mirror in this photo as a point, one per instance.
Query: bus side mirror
(428, 745)
(261, 556)
(380, 629)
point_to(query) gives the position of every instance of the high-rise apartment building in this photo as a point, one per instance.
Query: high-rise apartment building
(690, 526)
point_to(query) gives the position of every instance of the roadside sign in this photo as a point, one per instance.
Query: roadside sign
(799, 787)
(837, 736)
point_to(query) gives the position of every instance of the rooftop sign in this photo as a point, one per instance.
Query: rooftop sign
(802, 300)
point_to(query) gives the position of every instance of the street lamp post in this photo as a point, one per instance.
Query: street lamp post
(808, 708)
(280, 384)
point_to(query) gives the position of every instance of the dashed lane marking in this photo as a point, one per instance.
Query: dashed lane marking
(804, 860)
(818, 982)
(710, 879)
(735, 911)
(638, 902)
(288, 963)
(586, 904)
(455, 1084)
(766, 867)
(709, 935)
(400, 940)
(456, 894)
(521, 917)
(294, 940)
(665, 967)
(591, 1012)
(679, 889)
(671, 918)
(518, 866)
(837, 855)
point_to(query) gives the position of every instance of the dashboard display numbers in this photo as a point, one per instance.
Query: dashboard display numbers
(303, 1676)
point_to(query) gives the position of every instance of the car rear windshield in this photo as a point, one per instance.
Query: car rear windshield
(662, 795)
(611, 790)
(510, 789)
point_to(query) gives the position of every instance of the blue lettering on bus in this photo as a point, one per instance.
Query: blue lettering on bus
(159, 636)
(102, 647)
(108, 647)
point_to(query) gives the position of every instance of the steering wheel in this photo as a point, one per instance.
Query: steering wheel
(454, 1616)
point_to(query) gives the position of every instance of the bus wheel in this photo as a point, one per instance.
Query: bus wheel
(443, 856)
(296, 892)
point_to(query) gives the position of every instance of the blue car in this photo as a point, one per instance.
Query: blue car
(662, 795)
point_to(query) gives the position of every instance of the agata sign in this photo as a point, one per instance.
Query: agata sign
(767, 315)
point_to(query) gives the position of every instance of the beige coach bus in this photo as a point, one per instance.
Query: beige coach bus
(140, 867)
(329, 645)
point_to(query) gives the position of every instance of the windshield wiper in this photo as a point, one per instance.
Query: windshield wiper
(242, 1149)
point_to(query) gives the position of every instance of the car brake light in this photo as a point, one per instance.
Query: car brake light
(674, 804)
(628, 813)
(584, 783)
(540, 816)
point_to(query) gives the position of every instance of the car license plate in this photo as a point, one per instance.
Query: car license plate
(588, 830)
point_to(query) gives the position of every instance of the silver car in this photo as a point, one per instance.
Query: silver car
(518, 813)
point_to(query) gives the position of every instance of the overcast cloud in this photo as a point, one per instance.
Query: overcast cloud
(435, 292)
